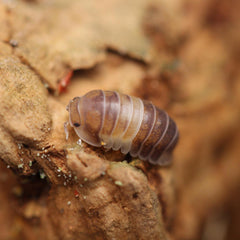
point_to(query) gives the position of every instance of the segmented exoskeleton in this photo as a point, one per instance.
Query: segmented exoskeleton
(118, 121)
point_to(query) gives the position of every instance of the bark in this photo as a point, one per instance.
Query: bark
(181, 55)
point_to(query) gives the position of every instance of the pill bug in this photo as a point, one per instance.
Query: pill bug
(118, 121)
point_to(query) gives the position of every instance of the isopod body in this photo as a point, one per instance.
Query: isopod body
(118, 121)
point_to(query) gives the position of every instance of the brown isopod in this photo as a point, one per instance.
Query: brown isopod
(118, 121)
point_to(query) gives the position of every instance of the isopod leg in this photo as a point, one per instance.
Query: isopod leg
(66, 129)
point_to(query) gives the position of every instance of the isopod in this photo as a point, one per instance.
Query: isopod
(119, 121)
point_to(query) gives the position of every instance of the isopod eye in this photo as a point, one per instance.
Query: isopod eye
(76, 125)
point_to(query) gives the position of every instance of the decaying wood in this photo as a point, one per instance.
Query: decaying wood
(182, 56)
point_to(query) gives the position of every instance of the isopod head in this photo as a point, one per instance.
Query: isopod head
(87, 120)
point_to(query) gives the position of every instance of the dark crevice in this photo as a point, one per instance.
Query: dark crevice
(127, 56)
(32, 187)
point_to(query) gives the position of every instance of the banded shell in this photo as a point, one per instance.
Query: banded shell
(118, 121)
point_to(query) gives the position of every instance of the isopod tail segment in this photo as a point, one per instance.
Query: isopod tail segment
(118, 121)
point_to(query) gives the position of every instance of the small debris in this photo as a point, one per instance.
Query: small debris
(76, 193)
(42, 175)
(46, 85)
(64, 82)
(13, 42)
(79, 142)
(119, 183)
(20, 165)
